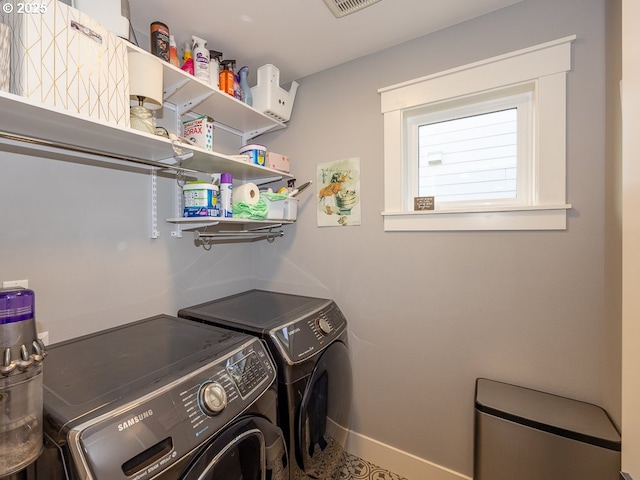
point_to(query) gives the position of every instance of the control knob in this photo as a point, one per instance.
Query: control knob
(323, 325)
(213, 398)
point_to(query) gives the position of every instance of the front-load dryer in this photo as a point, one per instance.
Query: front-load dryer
(308, 339)
(165, 399)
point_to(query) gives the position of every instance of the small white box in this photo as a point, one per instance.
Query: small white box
(269, 98)
(285, 209)
(64, 58)
(278, 161)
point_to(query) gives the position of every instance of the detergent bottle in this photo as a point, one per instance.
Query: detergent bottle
(187, 65)
(245, 95)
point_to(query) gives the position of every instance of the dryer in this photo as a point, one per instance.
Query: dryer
(308, 339)
(161, 398)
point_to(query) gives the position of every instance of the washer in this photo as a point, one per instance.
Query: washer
(161, 398)
(308, 338)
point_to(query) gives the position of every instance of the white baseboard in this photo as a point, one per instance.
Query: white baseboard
(404, 464)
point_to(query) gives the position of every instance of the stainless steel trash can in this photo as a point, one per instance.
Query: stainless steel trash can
(526, 434)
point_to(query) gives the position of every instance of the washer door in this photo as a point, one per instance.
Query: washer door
(251, 449)
(324, 413)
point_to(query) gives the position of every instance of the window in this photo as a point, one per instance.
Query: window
(486, 140)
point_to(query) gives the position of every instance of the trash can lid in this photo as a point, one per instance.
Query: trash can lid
(554, 414)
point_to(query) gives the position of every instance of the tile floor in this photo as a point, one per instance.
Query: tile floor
(357, 468)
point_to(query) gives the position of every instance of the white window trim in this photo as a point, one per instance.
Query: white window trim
(546, 65)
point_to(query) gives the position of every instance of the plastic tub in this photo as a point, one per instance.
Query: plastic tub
(257, 153)
(201, 200)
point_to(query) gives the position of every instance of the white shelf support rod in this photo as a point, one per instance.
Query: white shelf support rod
(177, 231)
(154, 204)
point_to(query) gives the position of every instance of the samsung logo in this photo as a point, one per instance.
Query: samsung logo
(134, 420)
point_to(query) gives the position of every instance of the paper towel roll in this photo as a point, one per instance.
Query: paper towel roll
(247, 193)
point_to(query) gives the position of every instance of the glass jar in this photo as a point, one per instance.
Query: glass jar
(21, 420)
(142, 119)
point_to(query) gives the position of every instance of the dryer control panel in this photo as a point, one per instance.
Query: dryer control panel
(305, 337)
(142, 439)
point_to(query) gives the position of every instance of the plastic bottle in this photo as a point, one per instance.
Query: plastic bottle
(246, 95)
(187, 65)
(226, 193)
(228, 77)
(201, 59)
(214, 68)
(173, 51)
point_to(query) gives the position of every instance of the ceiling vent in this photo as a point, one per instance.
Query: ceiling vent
(340, 8)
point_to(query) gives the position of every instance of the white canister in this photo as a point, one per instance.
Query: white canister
(257, 153)
(201, 200)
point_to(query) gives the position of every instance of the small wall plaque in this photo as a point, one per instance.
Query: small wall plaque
(423, 203)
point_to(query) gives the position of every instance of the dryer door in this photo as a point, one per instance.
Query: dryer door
(250, 449)
(324, 415)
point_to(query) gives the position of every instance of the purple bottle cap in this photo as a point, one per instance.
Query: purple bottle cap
(226, 178)
(16, 305)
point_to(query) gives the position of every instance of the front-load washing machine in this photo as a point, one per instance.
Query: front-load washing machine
(308, 339)
(161, 398)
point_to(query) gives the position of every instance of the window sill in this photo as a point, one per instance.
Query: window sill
(545, 217)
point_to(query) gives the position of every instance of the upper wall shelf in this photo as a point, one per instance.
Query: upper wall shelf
(25, 118)
(29, 119)
(190, 94)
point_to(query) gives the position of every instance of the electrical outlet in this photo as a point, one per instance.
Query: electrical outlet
(15, 283)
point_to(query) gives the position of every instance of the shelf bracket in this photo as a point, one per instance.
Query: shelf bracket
(192, 104)
(248, 136)
(173, 89)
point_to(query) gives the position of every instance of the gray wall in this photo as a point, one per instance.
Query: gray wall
(428, 312)
(81, 235)
(431, 312)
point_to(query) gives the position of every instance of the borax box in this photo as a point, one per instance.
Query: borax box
(199, 131)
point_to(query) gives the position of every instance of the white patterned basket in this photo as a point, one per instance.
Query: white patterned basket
(64, 58)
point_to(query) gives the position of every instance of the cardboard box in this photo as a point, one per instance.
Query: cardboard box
(64, 58)
(278, 161)
(199, 131)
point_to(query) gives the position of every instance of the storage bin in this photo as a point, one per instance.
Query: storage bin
(285, 209)
(525, 434)
(269, 98)
(64, 58)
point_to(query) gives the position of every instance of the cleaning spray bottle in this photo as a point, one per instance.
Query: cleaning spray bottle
(245, 90)
(187, 64)
(173, 51)
(214, 68)
(201, 59)
(228, 77)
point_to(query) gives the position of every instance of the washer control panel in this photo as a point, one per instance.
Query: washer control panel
(303, 338)
(149, 435)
